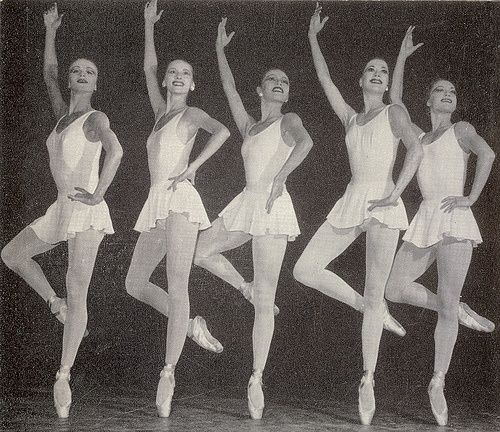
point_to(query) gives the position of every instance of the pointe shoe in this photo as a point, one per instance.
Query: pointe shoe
(255, 395)
(437, 399)
(366, 399)
(468, 318)
(59, 309)
(199, 333)
(391, 324)
(62, 394)
(246, 289)
(165, 391)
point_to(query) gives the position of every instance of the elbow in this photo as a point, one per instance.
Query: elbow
(224, 133)
(490, 155)
(308, 145)
(117, 154)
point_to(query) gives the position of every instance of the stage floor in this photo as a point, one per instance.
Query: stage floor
(215, 411)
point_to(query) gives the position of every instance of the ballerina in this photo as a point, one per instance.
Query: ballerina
(80, 216)
(272, 148)
(444, 229)
(372, 138)
(173, 213)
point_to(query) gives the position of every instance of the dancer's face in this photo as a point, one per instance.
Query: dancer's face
(442, 97)
(275, 86)
(83, 76)
(179, 77)
(375, 76)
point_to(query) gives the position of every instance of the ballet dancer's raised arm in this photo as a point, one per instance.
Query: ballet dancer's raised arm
(402, 128)
(291, 126)
(52, 22)
(470, 141)
(406, 50)
(342, 109)
(241, 117)
(150, 60)
(198, 118)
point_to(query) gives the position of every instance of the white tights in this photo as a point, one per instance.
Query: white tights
(178, 242)
(453, 259)
(82, 251)
(326, 245)
(268, 252)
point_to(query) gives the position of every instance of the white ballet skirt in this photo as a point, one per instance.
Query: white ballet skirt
(442, 173)
(74, 162)
(263, 156)
(247, 213)
(168, 156)
(352, 209)
(162, 202)
(372, 151)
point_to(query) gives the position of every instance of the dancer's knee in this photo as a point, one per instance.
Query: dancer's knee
(373, 302)
(77, 299)
(393, 291)
(11, 257)
(200, 258)
(448, 310)
(263, 301)
(177, 299)
(305, 271)
(133, 286)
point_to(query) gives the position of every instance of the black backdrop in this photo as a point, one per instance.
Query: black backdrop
(316, 350)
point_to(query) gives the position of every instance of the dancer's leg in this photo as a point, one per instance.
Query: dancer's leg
(453, 259)
(381, 244)
(268, 253)
(410, 263)
(150, 249)
(181, 241)
(18, 256)
(211, 243)
(82, 252)
(326, 245)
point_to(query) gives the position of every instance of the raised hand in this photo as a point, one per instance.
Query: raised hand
(189, 174)
(52, 19)
(150, 12)
(407, 47)
(450, 203)
(316, 23)
(222, 38)
(85, 197)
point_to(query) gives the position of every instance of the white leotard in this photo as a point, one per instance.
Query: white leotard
(168, 156)
(372, 151)
(263, 157)
(442, 173)
(74, 162)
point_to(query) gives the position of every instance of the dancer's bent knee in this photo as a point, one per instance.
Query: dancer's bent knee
(12, 258)
(306, 272)
(394, 291)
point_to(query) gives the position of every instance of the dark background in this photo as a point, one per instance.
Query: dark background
(316, 350)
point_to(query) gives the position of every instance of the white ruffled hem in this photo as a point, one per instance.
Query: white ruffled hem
(162, 202)
(431, 224)
(247, 213)
(65, 218)
(352, 209)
